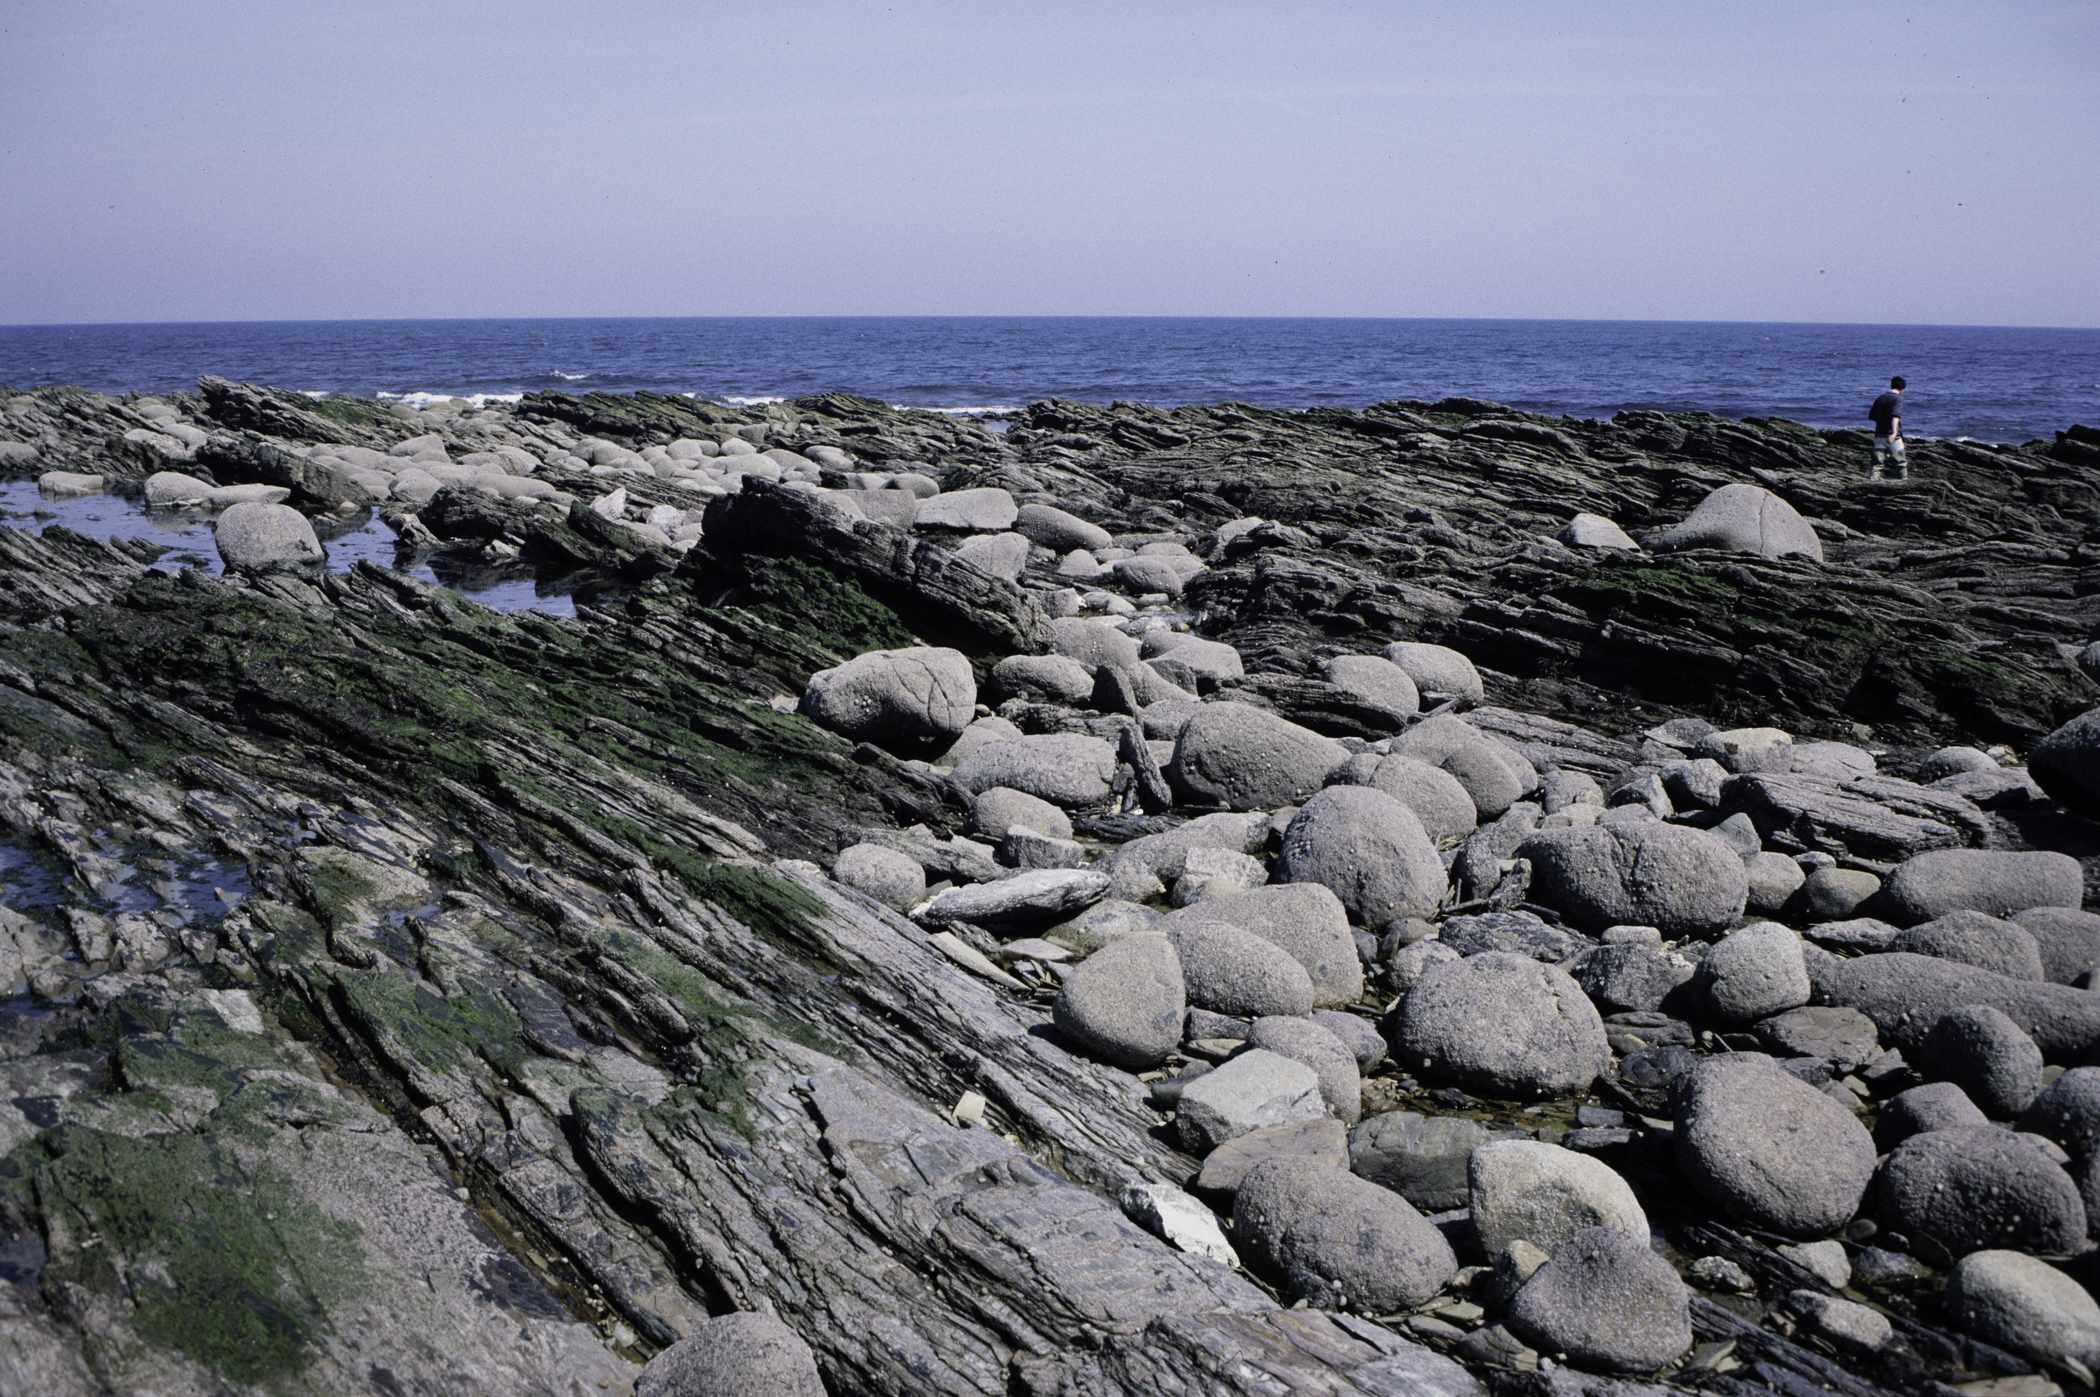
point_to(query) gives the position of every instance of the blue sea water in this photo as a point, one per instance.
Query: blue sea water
(1989, 383)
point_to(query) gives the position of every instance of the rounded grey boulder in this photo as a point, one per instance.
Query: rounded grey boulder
(1745, 519)
(1124, 1003)
(1232, 971)
(1766, 1145)
(1142, 575)
(1337, 1239)
(893, 695)
(2024, 1305)
(998, 809)
(891, 878)
(740, 1355)
(2066, 763)
(1070, 769)
(1375, 681)
(1607, 1302)
(1495, 777)
(1934, 1106)
(1978, 1049)
(1093, 643)
(1057, 530)
(266, 538)
(1753, 973)
(1979, 1187)
(1834, 894)
(2067, 938)
(1679, 880)
(1530, 1191)
(1978, 939)
(1368, 850)
(1056, 679)
(1503, 1024)
(1774, 879)
(1244, 758)
(1305, 921)
(1999, 882)
(2068, 1112)
(1437, 669)
(1434, 794)
(1302, 1040)
(1360, 1036)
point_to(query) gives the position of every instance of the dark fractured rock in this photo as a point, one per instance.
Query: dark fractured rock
(1422, 1158)
(2067, 763)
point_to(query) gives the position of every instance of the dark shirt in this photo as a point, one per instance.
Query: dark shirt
(1887, 408)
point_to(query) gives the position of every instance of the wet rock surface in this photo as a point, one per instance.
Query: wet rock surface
(405, 996)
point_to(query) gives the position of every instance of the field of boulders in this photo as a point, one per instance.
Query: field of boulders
(1219, 900)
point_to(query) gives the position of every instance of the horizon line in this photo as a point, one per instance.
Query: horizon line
(1417, 319)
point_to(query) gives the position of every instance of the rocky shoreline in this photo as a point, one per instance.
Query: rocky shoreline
(1424, 899)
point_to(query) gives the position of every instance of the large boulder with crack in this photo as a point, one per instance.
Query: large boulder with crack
(895, 696)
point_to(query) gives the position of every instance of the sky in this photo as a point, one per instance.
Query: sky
(1769, 161)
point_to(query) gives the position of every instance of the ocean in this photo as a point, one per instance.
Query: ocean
(1986, 383)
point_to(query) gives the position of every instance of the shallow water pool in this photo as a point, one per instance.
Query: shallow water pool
(186, 533)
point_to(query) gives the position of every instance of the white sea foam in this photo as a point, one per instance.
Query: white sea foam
(571, 377)
(419, 401)
(753, 402)
(962, 411)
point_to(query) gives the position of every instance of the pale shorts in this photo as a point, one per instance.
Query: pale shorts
(1894, 444)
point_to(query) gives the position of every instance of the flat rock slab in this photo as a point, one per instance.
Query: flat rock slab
(1039, 897)
(1879, 818)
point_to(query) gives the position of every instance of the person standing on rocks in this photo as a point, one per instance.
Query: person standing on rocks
(1887, 413)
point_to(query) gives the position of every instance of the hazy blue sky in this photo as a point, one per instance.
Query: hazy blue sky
(214, 160)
